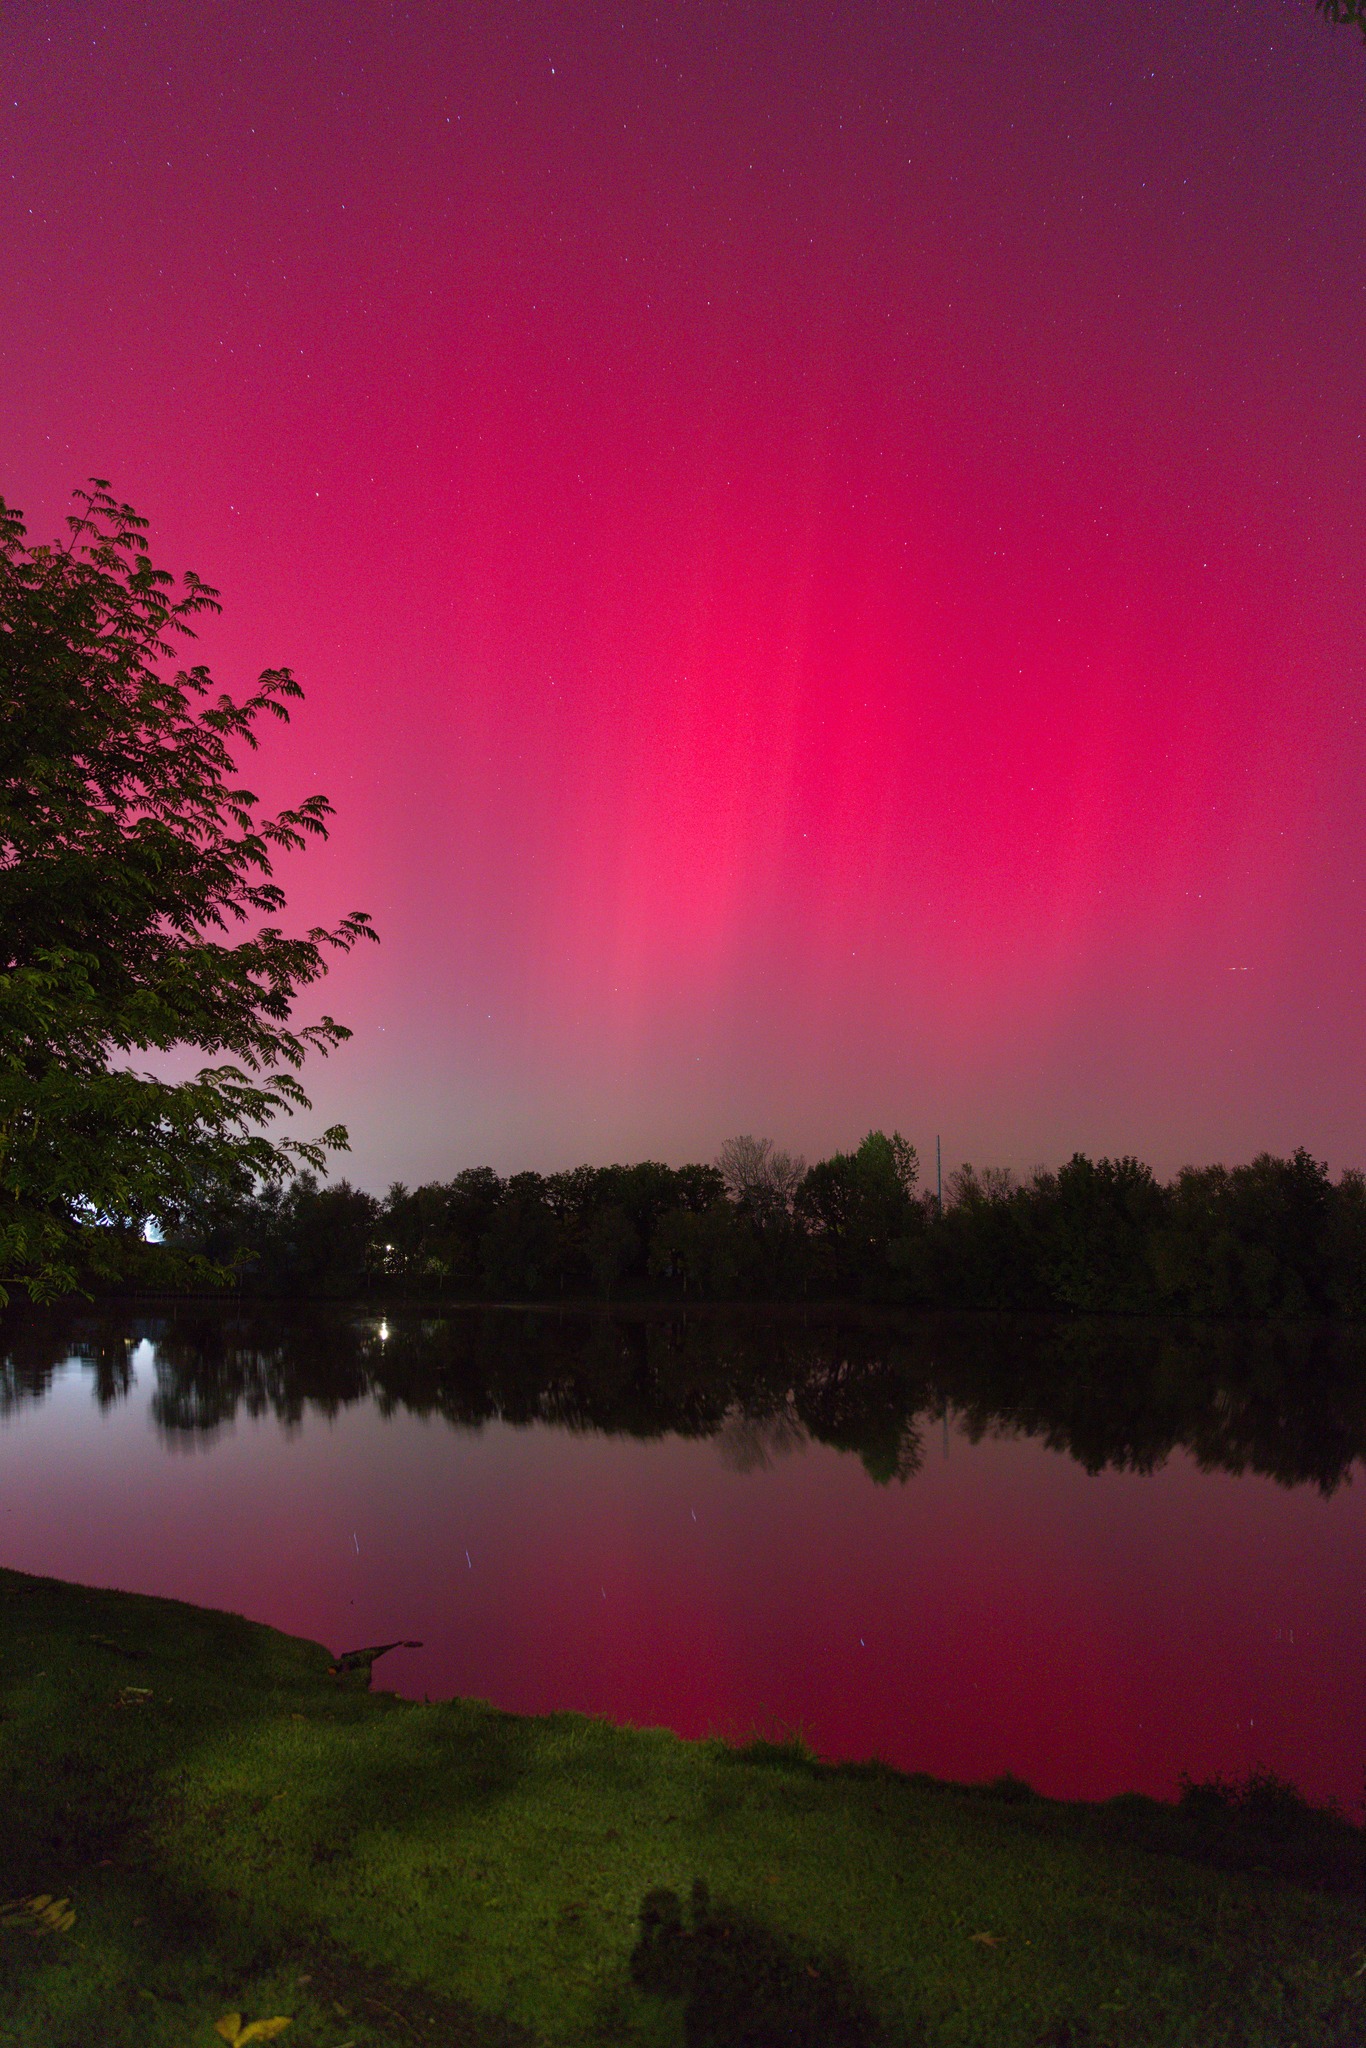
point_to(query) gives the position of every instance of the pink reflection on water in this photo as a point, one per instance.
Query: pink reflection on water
(1000, 1611)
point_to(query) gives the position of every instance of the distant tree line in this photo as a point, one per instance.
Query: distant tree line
(1344, 12)
(1274, 1238)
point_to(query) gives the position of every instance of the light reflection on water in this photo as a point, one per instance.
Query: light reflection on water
(887, 1539)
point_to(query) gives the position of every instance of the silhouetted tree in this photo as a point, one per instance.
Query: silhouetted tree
(611, 1242)
(1346, 1247)
(1257, 1240)
(977, 1251)
(1272, 1239)
(129, 855)
(1093, 1223)
(856, 1204)
(1343, 11)
(758, 1176)
(519, 1250)
(703, 1250)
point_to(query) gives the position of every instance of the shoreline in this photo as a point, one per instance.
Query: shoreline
(238, 1830)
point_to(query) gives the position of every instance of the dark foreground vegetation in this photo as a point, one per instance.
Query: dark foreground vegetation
(202, 1826)
(1276, 1238)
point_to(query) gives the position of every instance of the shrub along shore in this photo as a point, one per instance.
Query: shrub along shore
(238, 1830)
(1275, 1238)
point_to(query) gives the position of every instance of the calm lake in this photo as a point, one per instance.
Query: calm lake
(1096, 1555)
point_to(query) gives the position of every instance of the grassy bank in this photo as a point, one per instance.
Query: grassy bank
(239, 1831)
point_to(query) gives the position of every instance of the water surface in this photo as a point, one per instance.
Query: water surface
(1098, 1556)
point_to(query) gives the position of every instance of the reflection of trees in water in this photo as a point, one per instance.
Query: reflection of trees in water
(33, 1350)
(1286, 1401)
(753, 1443)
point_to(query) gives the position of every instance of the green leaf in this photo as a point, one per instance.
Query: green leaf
(129, 859)
(39, 1914)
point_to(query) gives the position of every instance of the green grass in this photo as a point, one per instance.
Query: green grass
(244, 1832)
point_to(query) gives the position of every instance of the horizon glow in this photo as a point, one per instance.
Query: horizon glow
(821, 547)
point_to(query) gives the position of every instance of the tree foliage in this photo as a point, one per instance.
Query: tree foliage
(137, 912)
(1344, 12)
(1274, 1239)
(758, 1175)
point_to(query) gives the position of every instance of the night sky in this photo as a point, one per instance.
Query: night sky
(823, 543)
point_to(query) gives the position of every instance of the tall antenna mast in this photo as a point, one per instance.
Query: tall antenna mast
(939, 1174)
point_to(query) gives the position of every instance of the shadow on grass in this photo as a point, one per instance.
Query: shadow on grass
(743, 1985)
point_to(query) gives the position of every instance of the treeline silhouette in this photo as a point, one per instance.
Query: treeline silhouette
(1284, 1400)
(1276, 1238)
